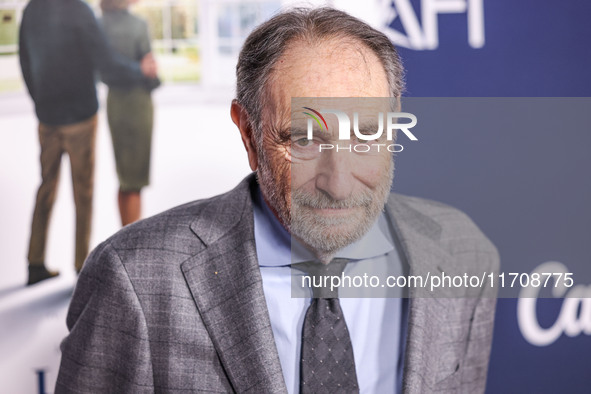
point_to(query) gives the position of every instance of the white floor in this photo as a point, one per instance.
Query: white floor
(187, 164)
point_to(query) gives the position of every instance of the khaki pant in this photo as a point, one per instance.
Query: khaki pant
(78, 141)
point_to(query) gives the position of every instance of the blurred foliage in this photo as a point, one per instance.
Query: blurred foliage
(8, 27)
(183, 64)
(176, 20)
(173, 28)
(11, 85)
(174, 41)
(153, 16)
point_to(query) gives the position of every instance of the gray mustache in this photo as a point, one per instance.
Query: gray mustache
(324, 201)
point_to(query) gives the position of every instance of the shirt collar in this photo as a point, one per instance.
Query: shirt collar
(275, 246)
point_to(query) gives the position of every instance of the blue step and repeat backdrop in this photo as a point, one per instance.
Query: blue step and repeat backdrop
(513, 150)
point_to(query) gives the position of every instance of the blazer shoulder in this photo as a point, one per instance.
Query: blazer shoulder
(452, 228)
(160, 229)
(186, 228)
(441, 213)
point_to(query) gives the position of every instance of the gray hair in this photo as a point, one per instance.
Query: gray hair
(265, 45)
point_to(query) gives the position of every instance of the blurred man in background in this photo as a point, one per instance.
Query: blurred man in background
(130, 111)
(61, 47)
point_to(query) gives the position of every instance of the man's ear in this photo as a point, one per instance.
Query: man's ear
(240, 119)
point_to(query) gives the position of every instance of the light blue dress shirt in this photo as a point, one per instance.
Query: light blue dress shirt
(374, 323)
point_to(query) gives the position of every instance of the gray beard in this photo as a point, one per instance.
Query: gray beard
(275, 195)
(323, 235)
(328, 235)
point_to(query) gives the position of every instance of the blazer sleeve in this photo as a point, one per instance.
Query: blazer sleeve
(474, 368)
(479, 345)
(107, 349)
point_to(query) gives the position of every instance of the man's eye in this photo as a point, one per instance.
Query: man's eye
(361, 140)
(303, 142)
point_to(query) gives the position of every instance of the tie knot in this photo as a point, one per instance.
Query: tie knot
(321, 276)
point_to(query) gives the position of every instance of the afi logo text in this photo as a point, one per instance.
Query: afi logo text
(427, 37)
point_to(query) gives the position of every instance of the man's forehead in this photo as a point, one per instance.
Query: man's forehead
(335, 67)
(364, 109)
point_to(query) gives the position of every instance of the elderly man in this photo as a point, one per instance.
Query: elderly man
(199, 298)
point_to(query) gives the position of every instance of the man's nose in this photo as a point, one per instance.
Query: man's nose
(334, 174)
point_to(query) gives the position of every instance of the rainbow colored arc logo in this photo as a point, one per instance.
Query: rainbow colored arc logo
(316, 118)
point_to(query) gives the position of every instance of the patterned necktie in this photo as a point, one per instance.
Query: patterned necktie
(327, 363)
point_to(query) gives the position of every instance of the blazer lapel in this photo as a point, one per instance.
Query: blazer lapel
(416, 236)
(226, 284)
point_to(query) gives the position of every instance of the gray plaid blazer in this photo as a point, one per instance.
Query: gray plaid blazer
(175, 303)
